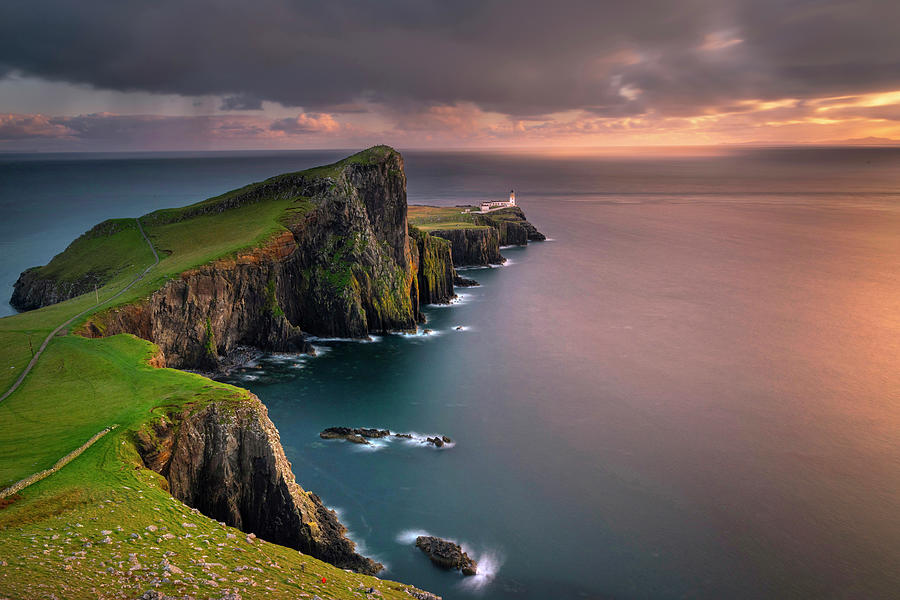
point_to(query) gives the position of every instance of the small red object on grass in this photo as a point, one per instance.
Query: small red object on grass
(323, 580)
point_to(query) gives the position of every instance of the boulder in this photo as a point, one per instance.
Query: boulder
(446, 554)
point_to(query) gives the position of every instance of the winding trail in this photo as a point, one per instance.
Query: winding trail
(53, 333)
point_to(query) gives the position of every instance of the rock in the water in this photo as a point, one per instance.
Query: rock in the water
(446, 554)
(439, 441)
(460, 281)
(357, 435)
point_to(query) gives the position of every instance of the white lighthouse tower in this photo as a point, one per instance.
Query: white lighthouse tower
(512, 197)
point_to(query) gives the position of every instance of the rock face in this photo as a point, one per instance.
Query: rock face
(348, 267)
(42, 286)
(436, 275)
(480, 245)
(207, 312)
(32, 291)
(512, 226)
(446, 554)
(226, 460)
(473, 246)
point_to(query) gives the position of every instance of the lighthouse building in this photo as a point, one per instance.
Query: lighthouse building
(496, 204)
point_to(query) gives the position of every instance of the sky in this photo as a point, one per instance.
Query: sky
(123, 75)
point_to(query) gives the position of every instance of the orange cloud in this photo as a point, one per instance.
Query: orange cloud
(19, 127)
(306, 123)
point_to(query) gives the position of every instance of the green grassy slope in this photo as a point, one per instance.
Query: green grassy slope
(51, 534)
(109, 248)
(430, 218)
(185, 238)
(79, 387)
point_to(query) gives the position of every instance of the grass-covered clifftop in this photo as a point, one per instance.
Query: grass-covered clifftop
(475, 237)
(105, 525)
(430, 218)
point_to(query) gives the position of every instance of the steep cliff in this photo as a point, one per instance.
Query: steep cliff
(225, 459)
(475, 238)
(512, 226)
(472, 245)
(31, 291)
(434, 266)
(206, 312)
(343, 266)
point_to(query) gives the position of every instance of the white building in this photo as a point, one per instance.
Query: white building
(495, 204)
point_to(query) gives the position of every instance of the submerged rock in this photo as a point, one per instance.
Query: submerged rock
(446, 554)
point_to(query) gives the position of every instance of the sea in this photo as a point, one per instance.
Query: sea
(690, 390)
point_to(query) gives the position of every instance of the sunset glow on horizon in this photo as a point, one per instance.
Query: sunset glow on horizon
(479, 75)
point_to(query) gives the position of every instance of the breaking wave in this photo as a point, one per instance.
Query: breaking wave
(489, 563)
(408, 537)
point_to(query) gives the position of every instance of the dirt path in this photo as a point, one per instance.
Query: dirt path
(40, 350)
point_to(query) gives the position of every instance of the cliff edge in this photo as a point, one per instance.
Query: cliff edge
(337, 260)
(475, 238)
(226, 460)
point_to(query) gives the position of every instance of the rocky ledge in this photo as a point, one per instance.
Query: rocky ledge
(446, 554)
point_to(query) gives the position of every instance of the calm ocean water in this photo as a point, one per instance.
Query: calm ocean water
(692, 391)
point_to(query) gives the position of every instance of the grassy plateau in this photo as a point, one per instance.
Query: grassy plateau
(431, 218)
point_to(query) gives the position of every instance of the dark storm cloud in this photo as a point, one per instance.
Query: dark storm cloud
(241, 102)
(521, 58)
